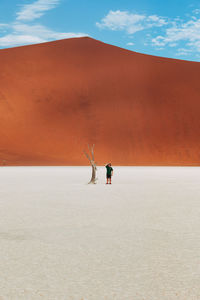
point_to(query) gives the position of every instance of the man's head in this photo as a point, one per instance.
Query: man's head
(109, 164)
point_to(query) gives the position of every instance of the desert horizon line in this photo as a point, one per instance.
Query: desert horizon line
(98, 40)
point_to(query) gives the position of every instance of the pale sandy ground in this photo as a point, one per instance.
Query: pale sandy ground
(138, 239)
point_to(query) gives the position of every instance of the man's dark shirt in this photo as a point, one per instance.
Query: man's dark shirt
(109, 170)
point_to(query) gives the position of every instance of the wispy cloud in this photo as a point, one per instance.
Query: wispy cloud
(22, 33)
(196, 11)
(180, 33)
(43, 32)
(16, 40)
(129, 22)
(183, 52)
(2, 25)
(36, 9)
(187, 32)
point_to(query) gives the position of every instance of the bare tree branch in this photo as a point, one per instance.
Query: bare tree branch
(92, 162)
(88, 157)
(92, 152)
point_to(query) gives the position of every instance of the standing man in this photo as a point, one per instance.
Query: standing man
(109, 173)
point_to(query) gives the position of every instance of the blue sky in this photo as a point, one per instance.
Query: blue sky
(163, 28)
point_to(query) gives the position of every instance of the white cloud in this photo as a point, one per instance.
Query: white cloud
(119, 20)
(15, 40)
(156, 21)
(183, 51)
(196, 11)
(188, 32)
(44, 32)
(2, 25)
(24, 34)
(130, 44)
(20, 33)
(129, 22)
(36, 9)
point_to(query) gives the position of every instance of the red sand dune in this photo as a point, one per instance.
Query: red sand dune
(138, 109)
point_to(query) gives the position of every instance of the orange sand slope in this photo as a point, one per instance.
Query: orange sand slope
(138, 109)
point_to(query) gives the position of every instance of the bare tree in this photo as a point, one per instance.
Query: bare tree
(90, 156)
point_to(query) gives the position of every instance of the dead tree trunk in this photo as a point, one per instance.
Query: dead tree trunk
(93, 164)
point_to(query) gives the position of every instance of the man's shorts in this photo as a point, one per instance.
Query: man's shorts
(108, 176)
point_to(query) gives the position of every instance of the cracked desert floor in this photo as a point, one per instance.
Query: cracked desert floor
(137, 239)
